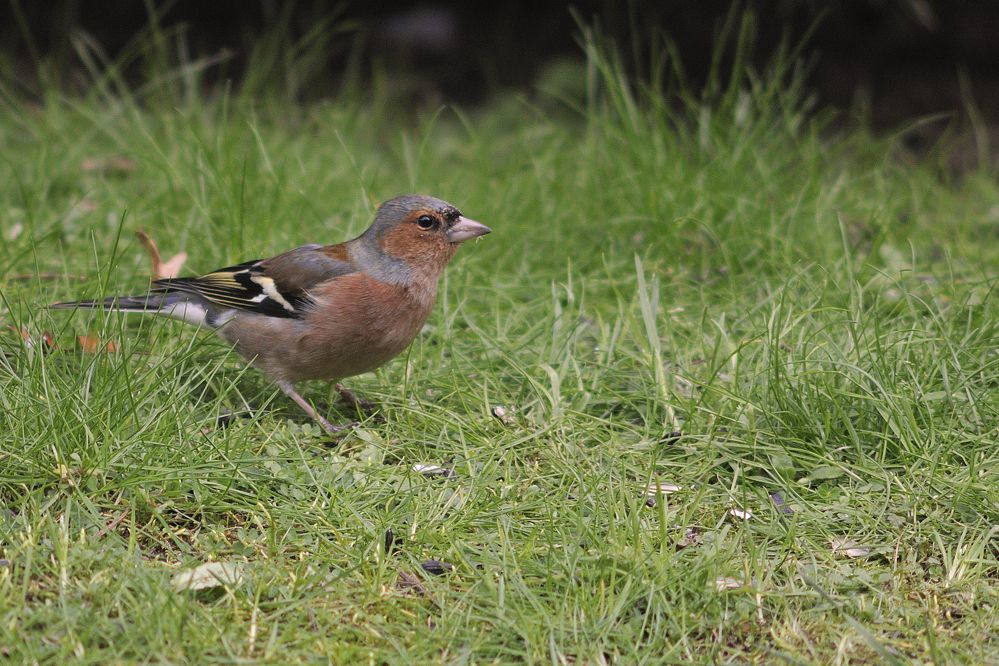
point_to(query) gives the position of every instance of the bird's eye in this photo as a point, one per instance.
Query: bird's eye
(425, 222)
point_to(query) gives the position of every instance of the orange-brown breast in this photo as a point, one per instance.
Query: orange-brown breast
(357, 324)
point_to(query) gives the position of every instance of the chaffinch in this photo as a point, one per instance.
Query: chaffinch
(322, 311)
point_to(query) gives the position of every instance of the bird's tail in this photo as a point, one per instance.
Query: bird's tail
(190, 308)
(152, 302)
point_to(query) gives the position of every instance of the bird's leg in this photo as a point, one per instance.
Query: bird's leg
(289, 390)
(351, 399)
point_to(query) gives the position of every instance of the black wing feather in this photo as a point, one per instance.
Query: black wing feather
(252, 286)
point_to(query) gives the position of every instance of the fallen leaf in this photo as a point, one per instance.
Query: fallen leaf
(503, 414)
(208, 575)
(112, 166)
(433, 470)
(849, 547)
(91, 344)
(662, 489)
(23, 332)
(689, 538)
(408, 581)
(160, 269)
(683, 386)
(654, 490)
(48, 342)
(724, 583)
(111, 526)
(171, 267)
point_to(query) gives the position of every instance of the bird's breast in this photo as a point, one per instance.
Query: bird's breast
(359, 323)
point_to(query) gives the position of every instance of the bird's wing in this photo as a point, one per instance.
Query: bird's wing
(276, 287)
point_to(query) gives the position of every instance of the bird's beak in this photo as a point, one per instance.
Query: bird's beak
(465, 229)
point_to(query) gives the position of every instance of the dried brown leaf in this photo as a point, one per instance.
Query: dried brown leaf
(23, 332)
(161, 270)
(655, 489)
(503, 414)
(850, 548)
(111, 166)
(113, 524)
(208, 575)
(690, 537)
(48, 341)
(725, 583)
(410, 582)
(430, 470)
(741, 514)
(91, 344)
(171, 267)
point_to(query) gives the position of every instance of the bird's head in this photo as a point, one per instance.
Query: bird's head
(421, 231)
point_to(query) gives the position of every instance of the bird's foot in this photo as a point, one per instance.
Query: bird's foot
(290, 391)
(351, 399)
(335, 429)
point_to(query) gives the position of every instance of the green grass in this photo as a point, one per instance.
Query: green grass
(814, 314)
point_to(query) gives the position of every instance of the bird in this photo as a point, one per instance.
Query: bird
(321, 312)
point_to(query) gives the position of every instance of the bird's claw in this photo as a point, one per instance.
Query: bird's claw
(351, 399)
(334, 429)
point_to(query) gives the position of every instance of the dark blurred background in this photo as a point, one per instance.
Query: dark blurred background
(888, 60)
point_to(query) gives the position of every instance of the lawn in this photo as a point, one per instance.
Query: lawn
(783, 326)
